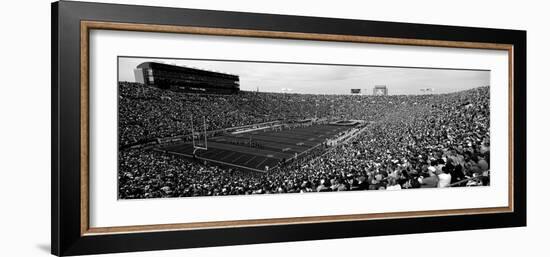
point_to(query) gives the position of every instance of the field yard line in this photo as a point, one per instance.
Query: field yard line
(271, 140)
(253, 157)
(243, 155)
(217, 154)
(232, 164)
(216, 161)
(247, 150)
(229, 155)
(260, 164)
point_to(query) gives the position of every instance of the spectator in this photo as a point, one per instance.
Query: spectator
(411, 142)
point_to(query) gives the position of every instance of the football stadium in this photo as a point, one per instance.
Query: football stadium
(260, 150)
(182, 135)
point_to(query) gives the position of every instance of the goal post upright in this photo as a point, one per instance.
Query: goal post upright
(195, 145)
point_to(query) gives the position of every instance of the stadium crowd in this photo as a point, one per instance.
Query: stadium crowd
(147, 113)
(417, 141)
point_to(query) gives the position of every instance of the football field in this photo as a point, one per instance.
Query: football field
(259, 150)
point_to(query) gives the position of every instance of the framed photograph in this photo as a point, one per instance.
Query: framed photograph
(179, 128)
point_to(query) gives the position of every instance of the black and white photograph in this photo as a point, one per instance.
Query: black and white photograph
(196, 127)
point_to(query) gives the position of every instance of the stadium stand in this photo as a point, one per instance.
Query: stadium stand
(186, 79)
(407, 141)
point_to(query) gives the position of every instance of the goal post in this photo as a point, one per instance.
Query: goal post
(201, 143)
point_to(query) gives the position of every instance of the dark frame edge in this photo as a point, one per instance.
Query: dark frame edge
(55, 231)
(520, 126)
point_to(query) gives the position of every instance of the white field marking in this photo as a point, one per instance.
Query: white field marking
(216, 161)
(253, 157)
(260, 164)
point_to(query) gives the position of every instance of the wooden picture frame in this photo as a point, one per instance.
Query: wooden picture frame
(71, 26)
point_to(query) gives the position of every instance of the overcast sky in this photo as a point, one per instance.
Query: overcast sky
(326, 79)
